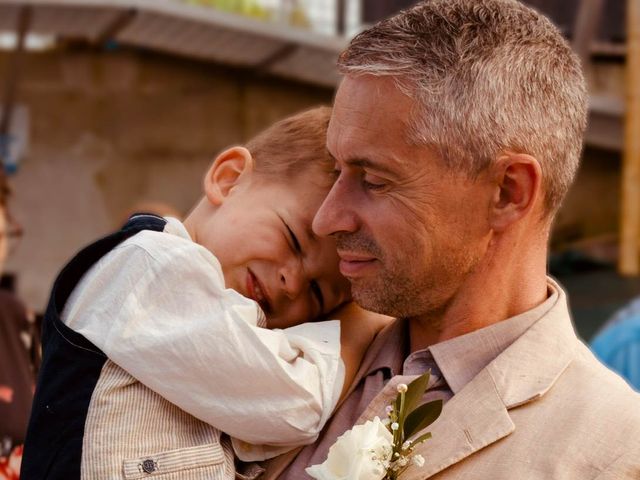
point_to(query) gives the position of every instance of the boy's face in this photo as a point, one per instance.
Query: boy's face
(261, 234)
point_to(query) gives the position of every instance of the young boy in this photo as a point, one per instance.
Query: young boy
(152, 336)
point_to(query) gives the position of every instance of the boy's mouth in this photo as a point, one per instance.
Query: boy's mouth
(256, 292)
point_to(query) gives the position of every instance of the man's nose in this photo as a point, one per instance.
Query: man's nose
(334, 215)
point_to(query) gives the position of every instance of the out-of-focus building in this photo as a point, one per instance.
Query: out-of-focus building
(122, 101)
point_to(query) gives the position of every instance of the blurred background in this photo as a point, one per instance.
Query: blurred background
(107, 104)
(110, 106)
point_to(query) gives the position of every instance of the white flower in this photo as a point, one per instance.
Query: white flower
(418, 460)
(359, 454)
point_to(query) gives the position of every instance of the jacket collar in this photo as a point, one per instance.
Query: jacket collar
(477, 415)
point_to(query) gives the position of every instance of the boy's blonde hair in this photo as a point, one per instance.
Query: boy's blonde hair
(291, 146)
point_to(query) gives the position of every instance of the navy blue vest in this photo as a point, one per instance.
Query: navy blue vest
(69, 371)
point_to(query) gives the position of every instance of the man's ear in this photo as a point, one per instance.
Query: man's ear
(225, 173)
(518, 180)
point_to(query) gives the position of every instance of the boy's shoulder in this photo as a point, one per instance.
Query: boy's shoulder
(155, 260)
(173, 244)
(155, 243)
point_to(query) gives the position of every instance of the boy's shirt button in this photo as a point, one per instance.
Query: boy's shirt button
(149, 466)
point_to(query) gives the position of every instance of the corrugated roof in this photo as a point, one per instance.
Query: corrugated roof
(207, 34)
(186, 30)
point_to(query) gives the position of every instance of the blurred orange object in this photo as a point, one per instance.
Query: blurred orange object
(10, 466)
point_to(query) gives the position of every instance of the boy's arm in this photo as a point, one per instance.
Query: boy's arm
(178, 331)
(358, 327)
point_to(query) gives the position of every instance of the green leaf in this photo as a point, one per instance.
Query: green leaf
(421, 438)
(422, 417)
(415, 391)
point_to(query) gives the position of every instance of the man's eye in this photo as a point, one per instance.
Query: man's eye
(373, 182)
(294, 239)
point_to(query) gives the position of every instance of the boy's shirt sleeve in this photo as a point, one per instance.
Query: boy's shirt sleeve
(157, 307)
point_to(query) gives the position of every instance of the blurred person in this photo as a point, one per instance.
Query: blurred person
(17, 376)
(617, 344)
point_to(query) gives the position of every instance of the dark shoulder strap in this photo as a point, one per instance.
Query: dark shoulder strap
(88, 256)
(70, 370)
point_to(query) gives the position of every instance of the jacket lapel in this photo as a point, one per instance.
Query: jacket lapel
(471, 420)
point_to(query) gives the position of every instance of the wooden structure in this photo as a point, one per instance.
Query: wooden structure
(630, 228)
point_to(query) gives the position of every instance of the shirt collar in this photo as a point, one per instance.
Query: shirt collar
(176, 227)
(396, 345)
(461, 358)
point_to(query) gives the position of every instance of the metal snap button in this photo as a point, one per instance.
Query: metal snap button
(149, 466)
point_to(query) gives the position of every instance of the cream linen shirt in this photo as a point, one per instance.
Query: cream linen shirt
(157, 306)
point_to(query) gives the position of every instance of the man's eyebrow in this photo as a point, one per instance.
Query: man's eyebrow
(363, 162)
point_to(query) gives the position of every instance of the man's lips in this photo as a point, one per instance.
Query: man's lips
(256, 292)
(355, 264)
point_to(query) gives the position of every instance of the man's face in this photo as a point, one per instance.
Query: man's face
(408, 230)
(262, 237)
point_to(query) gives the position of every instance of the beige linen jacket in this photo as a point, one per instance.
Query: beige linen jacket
(543, 409)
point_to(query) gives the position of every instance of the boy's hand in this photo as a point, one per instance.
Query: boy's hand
(358, 327)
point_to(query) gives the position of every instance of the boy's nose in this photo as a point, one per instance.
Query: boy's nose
(291, 278)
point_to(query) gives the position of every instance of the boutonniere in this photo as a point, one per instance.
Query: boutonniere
(383, 449)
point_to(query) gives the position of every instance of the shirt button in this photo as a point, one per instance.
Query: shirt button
(149, 466)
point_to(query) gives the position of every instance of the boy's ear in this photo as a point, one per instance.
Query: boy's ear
(518, 180)
(225, 173)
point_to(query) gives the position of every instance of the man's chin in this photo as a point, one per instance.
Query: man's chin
(368, 296)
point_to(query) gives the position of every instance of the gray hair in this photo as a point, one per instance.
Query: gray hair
(487, 76)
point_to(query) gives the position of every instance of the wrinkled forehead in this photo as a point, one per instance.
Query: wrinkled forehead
(370, 119)
(368, 108)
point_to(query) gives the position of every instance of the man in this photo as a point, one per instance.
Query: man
(457, 131)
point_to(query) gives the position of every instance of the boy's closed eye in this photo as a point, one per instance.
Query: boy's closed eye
(315, 289)
(294, 240)
(317, 294)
